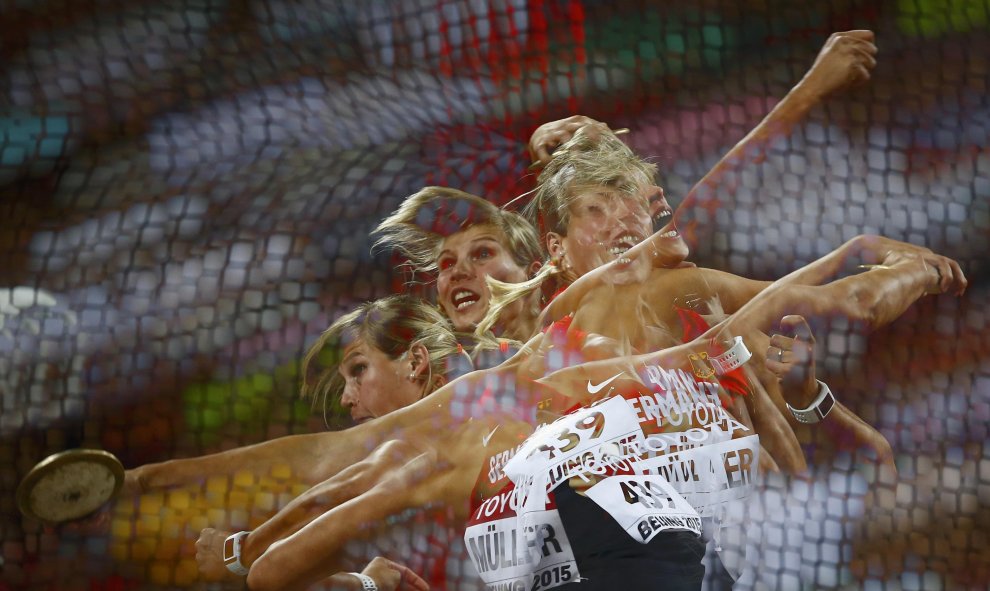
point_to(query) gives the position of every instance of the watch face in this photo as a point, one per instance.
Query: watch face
(826, 406)
(228, 549)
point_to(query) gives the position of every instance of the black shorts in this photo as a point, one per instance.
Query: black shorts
(609, 558)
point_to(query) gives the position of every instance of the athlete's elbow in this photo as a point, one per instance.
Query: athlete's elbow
(267, 573)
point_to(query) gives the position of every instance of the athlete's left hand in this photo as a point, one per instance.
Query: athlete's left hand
(209, 555)
(791, 357)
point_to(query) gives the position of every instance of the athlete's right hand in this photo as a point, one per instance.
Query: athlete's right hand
(390, 575)
(549, 136)
(846, 59)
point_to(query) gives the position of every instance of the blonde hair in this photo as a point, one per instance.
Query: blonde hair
(392, 325)
(504, 294)
(585, 162)
(591, 159)
(419, 226)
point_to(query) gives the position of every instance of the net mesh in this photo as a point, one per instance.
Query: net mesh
(187, 190)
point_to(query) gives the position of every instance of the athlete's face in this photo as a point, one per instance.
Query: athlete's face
(604, 224)
(374, 384)
(466, 258)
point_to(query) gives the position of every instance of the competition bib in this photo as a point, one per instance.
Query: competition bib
(575, 443)
(516, 554)
(645, 506)
(709, 476)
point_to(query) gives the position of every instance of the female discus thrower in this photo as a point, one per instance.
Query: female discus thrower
(899, 258)
(308, 458)
(448, 439)
(478, 417)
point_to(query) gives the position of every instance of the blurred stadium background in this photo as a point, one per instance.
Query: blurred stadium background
(187, 188)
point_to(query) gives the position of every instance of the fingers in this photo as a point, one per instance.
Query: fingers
(959, 280)
(797, 326)
(791, 357)
(408, 578)
(863, 34)
(850, 431)
(550, 136)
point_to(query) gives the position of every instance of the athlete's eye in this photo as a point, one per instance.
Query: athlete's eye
(445, 263)
(484, 252)
(357, 370)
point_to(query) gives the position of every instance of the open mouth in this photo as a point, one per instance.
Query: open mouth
(621, 245)
(463, 298)
(662, 217)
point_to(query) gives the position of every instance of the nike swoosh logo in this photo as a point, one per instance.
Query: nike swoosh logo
(486, 438)
(594, 389)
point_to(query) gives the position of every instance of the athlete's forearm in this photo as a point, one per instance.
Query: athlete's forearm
(295, 454)
(871, 299)
(311, 554)
(752, 149)
(342, 487)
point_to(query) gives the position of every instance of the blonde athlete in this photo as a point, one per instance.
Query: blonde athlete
(462, 239)
(309, 465)
(446, 439)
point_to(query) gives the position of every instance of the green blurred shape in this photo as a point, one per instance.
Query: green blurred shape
(712, 35)
(933, 18)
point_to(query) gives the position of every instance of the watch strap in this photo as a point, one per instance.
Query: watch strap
(735, 357)
(819, 409)
(367, 583)
(232, 553)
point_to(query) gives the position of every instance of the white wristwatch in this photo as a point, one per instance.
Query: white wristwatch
(819, 409)
(737, 355)
(232, 553)
(367, 583)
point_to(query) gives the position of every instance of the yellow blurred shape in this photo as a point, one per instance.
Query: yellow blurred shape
(217, 518)
(264, 501)
(179, 499)
(244, 479)
(148, 525)
(186, 572)
(281, 472)
(238, 499)
(120, 527)
(160, 574)
(151, 503)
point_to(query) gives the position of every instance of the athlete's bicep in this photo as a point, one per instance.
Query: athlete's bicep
(731, 291)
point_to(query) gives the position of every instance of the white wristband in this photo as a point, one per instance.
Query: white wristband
(367, 583)
(819, 409)
(232, 553)
(737, 355)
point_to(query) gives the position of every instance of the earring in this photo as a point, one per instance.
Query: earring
(412, 377)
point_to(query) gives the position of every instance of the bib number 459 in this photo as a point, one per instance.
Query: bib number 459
(646, 495)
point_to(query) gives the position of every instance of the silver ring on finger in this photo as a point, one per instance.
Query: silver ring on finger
(780, 355)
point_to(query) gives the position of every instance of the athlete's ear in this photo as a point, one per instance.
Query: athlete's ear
(419, 361)
(555, 246)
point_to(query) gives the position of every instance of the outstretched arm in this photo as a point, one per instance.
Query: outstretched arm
(313, 458)
(845, 60)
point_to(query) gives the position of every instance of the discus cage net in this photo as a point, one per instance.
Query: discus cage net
(187, 190)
